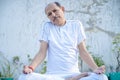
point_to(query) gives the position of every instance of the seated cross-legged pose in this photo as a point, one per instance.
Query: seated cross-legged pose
(62, 41)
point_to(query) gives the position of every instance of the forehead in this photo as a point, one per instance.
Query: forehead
(51, 7)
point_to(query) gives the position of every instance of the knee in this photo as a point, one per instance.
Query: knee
(22, 77)
(103, 77)
(31, 76)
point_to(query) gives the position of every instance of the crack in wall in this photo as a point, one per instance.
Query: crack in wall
(92, 21)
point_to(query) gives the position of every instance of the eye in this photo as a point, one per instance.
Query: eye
(54, 10)
(49, 14)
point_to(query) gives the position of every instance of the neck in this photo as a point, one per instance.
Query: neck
(62, 23)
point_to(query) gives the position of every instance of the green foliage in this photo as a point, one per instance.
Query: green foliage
(9, 69)
(98, 60)
(6, 69)
(116, 50)
(29, 58)
(43, 70)
(116, 44)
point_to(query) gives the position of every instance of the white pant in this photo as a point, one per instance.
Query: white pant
(37, 76)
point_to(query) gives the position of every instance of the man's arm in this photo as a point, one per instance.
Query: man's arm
(40, 56)
(85, 56)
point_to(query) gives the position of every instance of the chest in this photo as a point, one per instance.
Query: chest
(65, 35)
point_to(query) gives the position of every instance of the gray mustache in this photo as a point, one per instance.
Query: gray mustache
(54, 18)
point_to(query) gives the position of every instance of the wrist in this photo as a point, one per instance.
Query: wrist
(30, 67)
(95, 68)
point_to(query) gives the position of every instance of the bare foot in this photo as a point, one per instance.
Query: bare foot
(78, 76)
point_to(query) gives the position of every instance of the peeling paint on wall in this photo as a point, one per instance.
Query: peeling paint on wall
(21, 21)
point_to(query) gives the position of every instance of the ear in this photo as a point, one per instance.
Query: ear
(63, 9)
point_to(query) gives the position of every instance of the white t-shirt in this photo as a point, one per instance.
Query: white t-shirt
(62, 46)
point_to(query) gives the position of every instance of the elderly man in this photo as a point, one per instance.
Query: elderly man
(63, 39)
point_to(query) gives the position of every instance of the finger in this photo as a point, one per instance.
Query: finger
(102, 67)
(97, 71)
(100, 72)
(30, 71)
(24, 72)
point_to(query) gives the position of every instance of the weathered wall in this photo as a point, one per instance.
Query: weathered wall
(21, 21)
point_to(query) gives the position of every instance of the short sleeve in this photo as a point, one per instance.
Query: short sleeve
(81, 33)
(44, 33)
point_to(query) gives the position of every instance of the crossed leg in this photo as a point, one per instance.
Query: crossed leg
(78, 76)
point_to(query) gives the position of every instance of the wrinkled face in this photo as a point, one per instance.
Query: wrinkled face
(55, 14)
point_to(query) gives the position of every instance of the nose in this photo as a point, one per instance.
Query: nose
(53, 14)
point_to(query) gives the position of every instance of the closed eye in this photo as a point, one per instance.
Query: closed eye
(54, 10)
(49, 14)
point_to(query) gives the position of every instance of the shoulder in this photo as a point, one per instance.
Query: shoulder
(47, 24)
(74, 22)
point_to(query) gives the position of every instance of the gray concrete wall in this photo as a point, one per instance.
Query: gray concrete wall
(21, 21)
